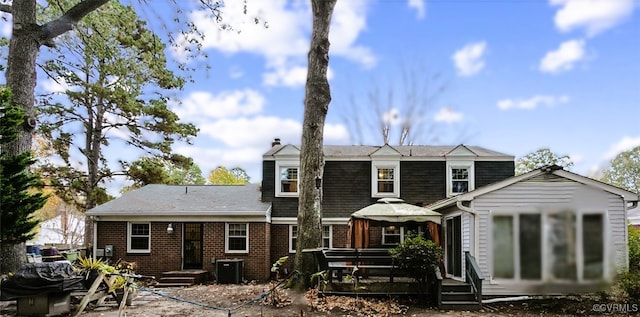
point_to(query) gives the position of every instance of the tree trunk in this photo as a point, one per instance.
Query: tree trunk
(26, 38)
(13, 257)
(316, 105)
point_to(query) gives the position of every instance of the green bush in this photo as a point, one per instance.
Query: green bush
(630, 281)
(634, 250)
(417, 257)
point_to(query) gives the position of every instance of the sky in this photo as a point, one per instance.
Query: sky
(510, 75)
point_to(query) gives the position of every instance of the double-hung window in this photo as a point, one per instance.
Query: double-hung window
(139, 237)
(459, 180)
(327, 239)
(392, 235)
(385, 176)
(459, 177)
(237, 237)
(287, 179)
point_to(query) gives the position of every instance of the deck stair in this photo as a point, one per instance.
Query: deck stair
(458, 296)
(184, 278)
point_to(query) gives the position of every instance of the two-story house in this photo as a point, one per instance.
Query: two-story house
(165, 228)
(357, 176)
(546, 227)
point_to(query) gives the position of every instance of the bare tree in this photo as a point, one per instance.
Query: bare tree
(398, 109)
(316, 106)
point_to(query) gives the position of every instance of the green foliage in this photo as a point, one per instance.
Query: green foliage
(174, 170)
(222, 176)
(624, 171)
(17, 202)
(634, 249)
(417, 256)
(540, 158)
(117, 92)
(630, 281)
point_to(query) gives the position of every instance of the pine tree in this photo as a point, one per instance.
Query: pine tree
(17, 203)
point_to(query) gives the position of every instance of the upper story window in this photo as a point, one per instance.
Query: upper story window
(287, 179)
(385, 179)
(138, 237)
(459, 180)
(236, 237)
(459, 177)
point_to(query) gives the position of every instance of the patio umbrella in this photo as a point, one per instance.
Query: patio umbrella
(395, 210)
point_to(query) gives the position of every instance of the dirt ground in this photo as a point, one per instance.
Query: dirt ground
(246, 300)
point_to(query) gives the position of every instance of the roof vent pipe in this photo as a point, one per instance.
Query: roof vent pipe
(186, 190)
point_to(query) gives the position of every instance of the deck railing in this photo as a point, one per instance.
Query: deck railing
(474, 276)
(438, 286)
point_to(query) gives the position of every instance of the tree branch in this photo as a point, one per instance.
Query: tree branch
(6, 8)
(65, 23)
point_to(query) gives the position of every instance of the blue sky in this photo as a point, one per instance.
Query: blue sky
(518, 75)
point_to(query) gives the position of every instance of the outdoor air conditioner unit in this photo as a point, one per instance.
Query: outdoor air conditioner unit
(229, 271)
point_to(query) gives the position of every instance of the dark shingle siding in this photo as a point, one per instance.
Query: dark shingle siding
(422, 181)
(488, 172)
(268, 181)
(346, 187)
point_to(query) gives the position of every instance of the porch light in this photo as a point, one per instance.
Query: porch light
(318, 182)
(169, 229)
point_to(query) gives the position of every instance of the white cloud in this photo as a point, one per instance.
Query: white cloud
(201, 107)
(594, 16)
(564, 57)
(468, 60)
(576, 158)
(244, 141)
(7, 24)
(50, 85)
(532, 102)
(285, 43)
(420, 6)
(448, 115)
(392, 117)
(625, 144)
(347, 22)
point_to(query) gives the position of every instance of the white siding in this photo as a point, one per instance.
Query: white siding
(548, 194)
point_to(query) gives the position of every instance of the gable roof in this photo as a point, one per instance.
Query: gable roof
(187, 200)
(549, 169)
(406, 151)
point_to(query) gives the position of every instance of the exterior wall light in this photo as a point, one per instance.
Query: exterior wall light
(169, 229)
(318, 182)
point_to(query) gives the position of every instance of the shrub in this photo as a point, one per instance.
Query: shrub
(418, 257)
(630, 281)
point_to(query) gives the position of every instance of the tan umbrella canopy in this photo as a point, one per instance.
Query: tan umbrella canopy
(395, 210)
(389, 210)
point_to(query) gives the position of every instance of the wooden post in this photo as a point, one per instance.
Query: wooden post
(87, 298)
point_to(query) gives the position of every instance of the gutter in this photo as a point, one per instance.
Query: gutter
(476, 225)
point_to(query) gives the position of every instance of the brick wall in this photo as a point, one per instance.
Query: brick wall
(166, 249)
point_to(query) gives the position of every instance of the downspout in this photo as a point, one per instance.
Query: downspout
(95, 237)
(476, 225)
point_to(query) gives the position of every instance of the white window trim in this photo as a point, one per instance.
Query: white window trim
(286, 164)
(291, 249)
(384, 230)
(129, 250)
(460, 164)
(290, 237)
(330, 235)
(226, 238)
(395, 165)
(544, 235)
